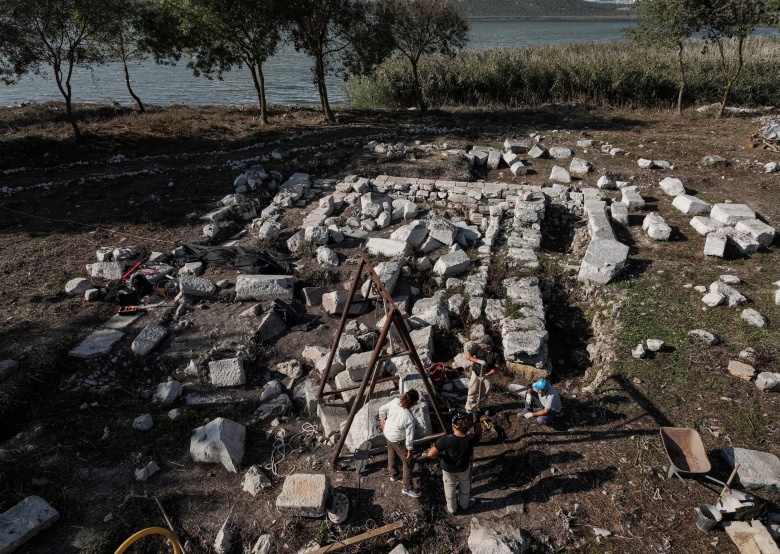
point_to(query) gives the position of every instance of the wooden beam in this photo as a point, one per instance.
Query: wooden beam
(360, 538)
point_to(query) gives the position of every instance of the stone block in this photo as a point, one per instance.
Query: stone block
(733, 296)
(118, 321)
(526, 347)
(219, 441)
(560, 175)
(619, 212)
(672, 186)
(560, 152)
(656, 228)
(452, 264)
(23, 521)
(516, 146)
(388, 273)
(768, 382)
(432, 312)
(494, 159)
(518, 168)
(148, 339)
(603, 261)
(690, 205)
(97, 344)
(313, 295)
(632, 198)
(196, 286)
(704, 336)
(255, 481)
(414, 234)
(537, 151)
(606, 182)
(304, 495)
(741, 370)
(335, 302)
(705, 225)
(490, 537)
(332, 414)
(387, 247)
(742, 243)
(78, 286)
(758, 230)
(757, 470)
(357, 365)
(227, 373)
(110, 271)
(271, 326)
(731, 214)
(146, 472)
(443, 231)
(578, 166)
(264, 287)
(276, 407)
(715, 245)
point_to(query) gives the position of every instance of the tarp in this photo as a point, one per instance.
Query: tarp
(248, 260)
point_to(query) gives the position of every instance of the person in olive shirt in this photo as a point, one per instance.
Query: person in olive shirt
(456, 452)
(486, 362)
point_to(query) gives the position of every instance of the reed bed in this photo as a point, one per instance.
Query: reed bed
(620, 74)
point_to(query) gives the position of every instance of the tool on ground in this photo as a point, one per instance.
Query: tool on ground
(360, 538)
(132, 539)
(127, 310)
(731, 478)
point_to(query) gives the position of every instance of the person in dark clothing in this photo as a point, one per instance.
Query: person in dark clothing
(455, 452)
(486, 362)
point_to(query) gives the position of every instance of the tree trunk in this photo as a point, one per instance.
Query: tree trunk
(733, 79)
(418, 89)
(322, 89)
(67, 94)
(130, 89)
(682, 77)
(259, 80)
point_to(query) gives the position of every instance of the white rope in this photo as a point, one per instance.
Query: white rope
(282, 448)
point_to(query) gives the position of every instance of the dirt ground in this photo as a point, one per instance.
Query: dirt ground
(601, 465)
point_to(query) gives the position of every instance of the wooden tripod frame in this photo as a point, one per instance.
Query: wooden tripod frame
(371, 378)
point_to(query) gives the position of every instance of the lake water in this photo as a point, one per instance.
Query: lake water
(288, 74)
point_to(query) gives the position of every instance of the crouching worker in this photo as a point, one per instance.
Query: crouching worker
(486, 361)
(542, 402)
(398, 428)
(456, 452)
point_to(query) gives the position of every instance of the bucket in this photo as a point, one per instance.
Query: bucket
(708, 517)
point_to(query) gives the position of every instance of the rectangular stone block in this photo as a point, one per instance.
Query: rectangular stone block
(715, 245)
(227, 373)
(757, 470)
(602, 262)
(632, 199)
(758, 230)
(386, 247)
(705, 225)
(304, 495)
(731, 214)
(97, 344)
(25, 520)
(619, 211)
(690, 205)
(264, 287)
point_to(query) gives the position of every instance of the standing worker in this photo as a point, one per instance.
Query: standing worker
(398, 428)
(486, 360)
(456, 451)
(542, 402)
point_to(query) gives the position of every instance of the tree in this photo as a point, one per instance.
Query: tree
(667, 24)
(53, 34)
(327, 30)
(223, 34)
(424, 27)
(735, 20)
(122, 38)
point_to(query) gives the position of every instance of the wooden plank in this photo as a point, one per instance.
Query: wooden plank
(751, 537)
(360, 538)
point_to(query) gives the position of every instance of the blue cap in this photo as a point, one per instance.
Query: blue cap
(541, 384)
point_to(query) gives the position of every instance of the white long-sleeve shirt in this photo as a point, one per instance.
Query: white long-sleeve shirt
(399, 423)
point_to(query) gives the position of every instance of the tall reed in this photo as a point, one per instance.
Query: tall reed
(621, 74)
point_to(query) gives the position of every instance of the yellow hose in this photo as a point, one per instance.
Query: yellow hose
(150, 531)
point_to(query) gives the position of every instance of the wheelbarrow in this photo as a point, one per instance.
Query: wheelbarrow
(686, 453)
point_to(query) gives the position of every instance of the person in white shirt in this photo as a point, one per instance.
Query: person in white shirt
(542, 401)
(398, 428)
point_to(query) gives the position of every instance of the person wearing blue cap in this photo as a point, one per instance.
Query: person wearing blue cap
(542, 402)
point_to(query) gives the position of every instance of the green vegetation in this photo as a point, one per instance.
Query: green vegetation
(624, 74)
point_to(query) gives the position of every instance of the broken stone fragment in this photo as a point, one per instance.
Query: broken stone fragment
(768, 382)
(638, 352)
(489, 537)
(110, 271)
(753, 317)
(704, 336)
(578, 166)
(196, 286)
(97, 344)
(219, 441)
(255, 481)
(757, 470)
(143, 422)
(144, 473)
(672, 186)
(741, 370)
(78, 286)
(264, 287)
(279, 406)
(168, 392)
(655, 345)
(560, 175)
